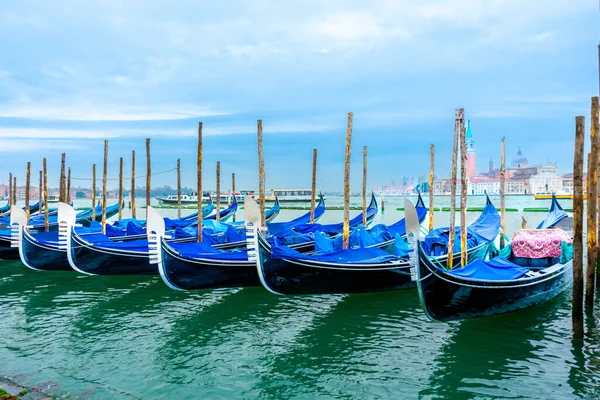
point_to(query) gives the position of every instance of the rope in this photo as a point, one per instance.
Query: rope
(136, 177)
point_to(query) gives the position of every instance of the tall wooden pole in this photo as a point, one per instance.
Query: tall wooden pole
(27, 186)
(104, 174)
(46, 205)
(15, 190)
(347, 153)
(502, 191)
(592, 208)
(218, 216)
(364, 187)
(69, 186)
(313, 193)
(10, 190)
(148, 175)
(63, 179)
(120, 187)
(40, 193)
(431, 175)
(463, 189)
(179, 188)
(261, 174)
(233, 188)
(132, 194)
(578, 228)
(93, 192)
(450, 262)
(199, 182)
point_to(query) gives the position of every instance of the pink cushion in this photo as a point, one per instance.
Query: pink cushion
(539, 243)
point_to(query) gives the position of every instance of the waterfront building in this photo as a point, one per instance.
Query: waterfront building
(546, 180)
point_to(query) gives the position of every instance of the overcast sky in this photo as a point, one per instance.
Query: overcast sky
(74, 73)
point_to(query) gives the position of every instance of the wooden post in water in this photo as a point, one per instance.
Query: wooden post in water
(120, 187)
(69, 186)
(592, 209)
(463, 189)
(450, 261)
(347, 153)
(313, 193)
(431, 175)
(46, 206)
(199, 182)
(15, 190)
(148, 174)
(63, 180)
(261, 174)
(218, 216)
(10, 190)
(179, 188)
(578, 228)
(93, 192)
(364, 187)
(233, 189)
(40, 192)
(27, 186)
(132, 194)
(502, 191)
(104, 173)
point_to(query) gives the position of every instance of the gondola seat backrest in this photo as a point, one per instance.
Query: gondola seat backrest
(538, 248)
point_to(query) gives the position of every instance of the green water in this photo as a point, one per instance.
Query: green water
(132, 337)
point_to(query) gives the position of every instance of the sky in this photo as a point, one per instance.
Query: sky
(73, 74)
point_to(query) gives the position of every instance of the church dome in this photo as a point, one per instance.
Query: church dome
(519, 160)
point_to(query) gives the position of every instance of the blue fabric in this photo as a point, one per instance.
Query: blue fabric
(204, 250)
(206, 211)
(554, 216)
(224, 214)
(325, 245)
(272, 212)
(276, 227)
(481, 231)
(350, 256)
(496, 269)
(401, 247)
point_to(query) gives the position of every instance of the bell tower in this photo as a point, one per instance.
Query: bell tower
(471, 156)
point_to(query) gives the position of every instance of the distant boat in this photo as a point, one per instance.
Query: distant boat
(562, 196)
(53, 198)
(290, 195)
(191, 199)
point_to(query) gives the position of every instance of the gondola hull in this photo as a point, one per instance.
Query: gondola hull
(42, 257)
(446, 297)
(293, 277)
(7, 252)
(187, 274)
(94, 260)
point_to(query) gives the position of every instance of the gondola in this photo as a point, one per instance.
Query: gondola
(502, 284)
(5, 210)
(285, 271)
(206, 211)
(555, 216)
(273, 212)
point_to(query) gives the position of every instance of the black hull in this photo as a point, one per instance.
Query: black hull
(7, 252)
(288, 278)
(446, 297)
(185, 274)
(89, 259)
(43, 257)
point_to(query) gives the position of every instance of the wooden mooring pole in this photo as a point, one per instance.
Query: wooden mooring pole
(104, 176)
(46, 206)
(120, 187)
(347, 154)
(313, 193)
(27, 187)
(592, 208)
(148, 176)
(132, 193)
(233, 189)
(451, 235)
(93, 192)
(218, 216)
(364, 187)
(63, 179)
(261, 174)
(10, 190)
(463, 189)
(40, 193)
(502, 191)
(179, 188)
(431, 177)
(578, 228)
(199, 182)
(69, 186)
(15, 190)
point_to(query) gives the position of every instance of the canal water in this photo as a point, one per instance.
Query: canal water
(124, 337)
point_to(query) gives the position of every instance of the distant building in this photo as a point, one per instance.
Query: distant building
(547, 180)
(471, 155)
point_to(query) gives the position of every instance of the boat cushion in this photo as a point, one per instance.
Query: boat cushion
(539, 243)
(496, 269)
